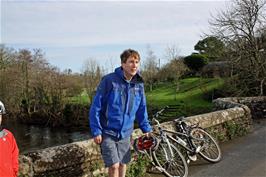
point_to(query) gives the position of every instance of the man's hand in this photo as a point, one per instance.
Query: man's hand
(98, 139)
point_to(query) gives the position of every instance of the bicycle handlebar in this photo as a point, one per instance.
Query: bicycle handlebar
(160, 112)
(156, 121)
(157, 114)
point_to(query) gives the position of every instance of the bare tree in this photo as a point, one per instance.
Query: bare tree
(32, 88)
(92, 74)
(174, 68)
(239, 27)
(172, 71)
(111, 60)
(25, 58)
(172, 52)
(150, 68)
(8, 76)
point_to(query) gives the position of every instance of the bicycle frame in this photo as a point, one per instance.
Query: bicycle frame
(189, 146)
(163, 137)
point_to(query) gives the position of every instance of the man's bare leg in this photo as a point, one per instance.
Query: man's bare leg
(122, 170)
(113, 171)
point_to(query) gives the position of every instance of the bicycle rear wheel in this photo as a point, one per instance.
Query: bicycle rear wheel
(173, 164)
(209, 148)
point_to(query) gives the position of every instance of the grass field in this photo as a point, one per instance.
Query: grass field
(193, 95)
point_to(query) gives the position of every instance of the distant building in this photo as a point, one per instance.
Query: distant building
(216, 69)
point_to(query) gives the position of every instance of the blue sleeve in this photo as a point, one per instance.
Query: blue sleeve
(95, 110)
(142, 115)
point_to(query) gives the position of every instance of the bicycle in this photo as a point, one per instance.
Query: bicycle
(195, 140)
(164, 156)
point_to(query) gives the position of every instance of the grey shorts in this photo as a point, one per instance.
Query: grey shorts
(115, 151)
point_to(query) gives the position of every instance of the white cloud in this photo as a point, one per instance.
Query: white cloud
(90, 24)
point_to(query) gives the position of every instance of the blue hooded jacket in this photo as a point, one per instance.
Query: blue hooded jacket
(116, 105)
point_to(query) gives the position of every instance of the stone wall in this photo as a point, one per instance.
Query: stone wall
(257, 105)
(74, 159)
(83, 158)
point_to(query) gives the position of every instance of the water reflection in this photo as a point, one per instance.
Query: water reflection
(31, 138)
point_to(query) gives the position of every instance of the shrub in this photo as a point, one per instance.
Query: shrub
(138, 167)
(195, 61)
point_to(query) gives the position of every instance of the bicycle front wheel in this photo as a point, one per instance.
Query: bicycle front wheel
(209, 148)
(173, 163)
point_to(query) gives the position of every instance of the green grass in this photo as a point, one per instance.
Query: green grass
(190, 95)
(83, 98)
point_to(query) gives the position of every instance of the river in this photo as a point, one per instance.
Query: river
(30, 137)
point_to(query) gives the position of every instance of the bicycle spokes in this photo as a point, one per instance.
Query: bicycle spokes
(209, 149)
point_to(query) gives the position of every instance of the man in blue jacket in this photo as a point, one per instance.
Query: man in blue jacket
(119, 100)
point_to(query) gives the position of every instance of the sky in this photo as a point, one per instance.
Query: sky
(70, 32)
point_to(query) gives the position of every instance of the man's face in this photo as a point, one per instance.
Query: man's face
(130, 67)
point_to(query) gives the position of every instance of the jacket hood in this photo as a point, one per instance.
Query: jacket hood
(136, 79)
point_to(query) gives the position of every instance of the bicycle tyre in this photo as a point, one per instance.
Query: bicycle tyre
(210, 150)
(173, 167)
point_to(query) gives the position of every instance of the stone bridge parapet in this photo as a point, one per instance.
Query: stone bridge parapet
(257, 105)
(83, 158)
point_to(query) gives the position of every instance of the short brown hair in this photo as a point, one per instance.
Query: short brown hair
(129, 53)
